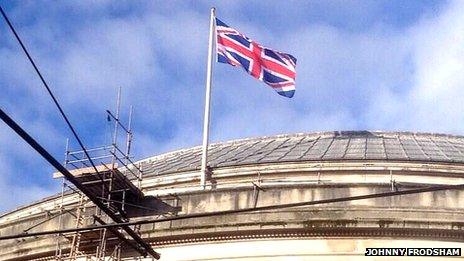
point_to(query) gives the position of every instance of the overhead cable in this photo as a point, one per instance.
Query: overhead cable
(45, 84)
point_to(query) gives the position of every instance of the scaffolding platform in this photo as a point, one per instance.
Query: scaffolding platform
(109, 185)
(115, 192)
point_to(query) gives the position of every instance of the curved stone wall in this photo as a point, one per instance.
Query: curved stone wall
(331, 230)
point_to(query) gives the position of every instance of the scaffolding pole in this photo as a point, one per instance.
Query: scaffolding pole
(142, 247)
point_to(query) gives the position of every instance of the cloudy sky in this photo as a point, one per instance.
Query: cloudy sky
(362, 65)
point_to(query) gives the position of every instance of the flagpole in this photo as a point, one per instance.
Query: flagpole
(204, 158)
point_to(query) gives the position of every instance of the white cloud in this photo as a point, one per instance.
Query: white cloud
(431, 100)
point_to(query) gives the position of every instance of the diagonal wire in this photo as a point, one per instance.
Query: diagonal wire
(10, 25)
(143, 247)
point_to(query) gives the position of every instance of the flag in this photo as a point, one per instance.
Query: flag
(275, 68)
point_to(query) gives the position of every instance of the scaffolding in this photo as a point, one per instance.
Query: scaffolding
(115, 180)
(113, 209)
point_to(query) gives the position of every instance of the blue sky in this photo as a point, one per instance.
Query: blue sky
(362, 65)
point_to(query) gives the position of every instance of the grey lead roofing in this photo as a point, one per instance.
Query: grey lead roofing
(347, 145)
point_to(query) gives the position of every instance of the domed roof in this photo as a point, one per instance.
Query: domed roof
(322, 146)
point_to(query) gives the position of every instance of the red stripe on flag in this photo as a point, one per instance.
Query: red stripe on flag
(253, 55)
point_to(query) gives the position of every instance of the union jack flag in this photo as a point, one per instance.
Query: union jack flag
(276, 69)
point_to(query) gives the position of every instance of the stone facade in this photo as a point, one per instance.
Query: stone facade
(319, 232)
